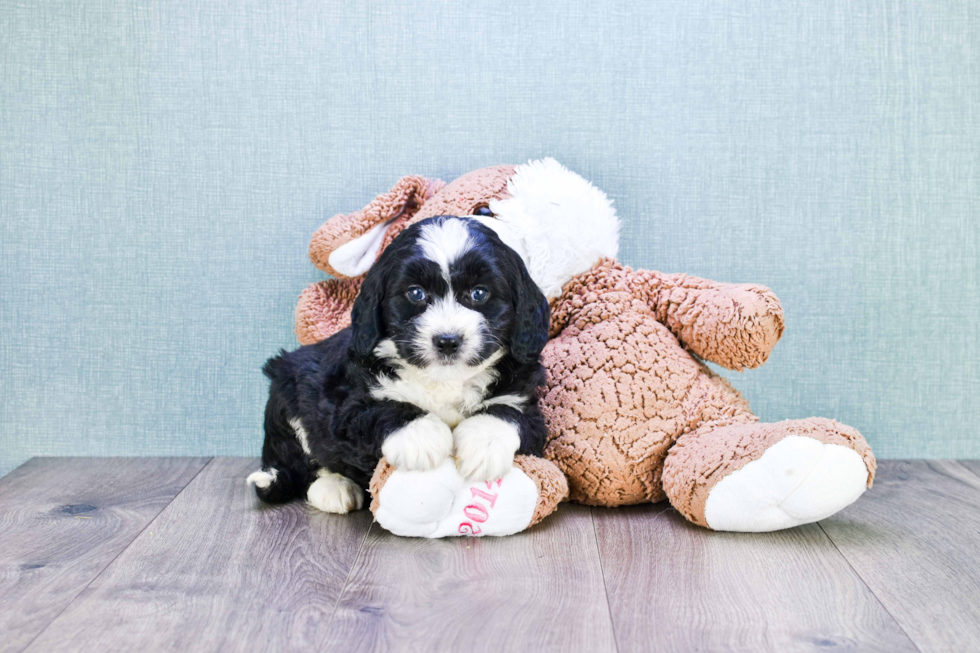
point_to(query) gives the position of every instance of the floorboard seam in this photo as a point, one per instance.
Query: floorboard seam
(959, 463)
(602, 574)
(115, 557)
(350, 572)
(865, 583)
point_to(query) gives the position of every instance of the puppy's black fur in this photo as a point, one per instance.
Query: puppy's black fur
(327, 386)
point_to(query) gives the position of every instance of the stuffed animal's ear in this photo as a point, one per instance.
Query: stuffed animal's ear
(347, 245)
(365, 317)
(533, 318)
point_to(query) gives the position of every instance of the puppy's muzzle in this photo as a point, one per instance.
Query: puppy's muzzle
(447, 344)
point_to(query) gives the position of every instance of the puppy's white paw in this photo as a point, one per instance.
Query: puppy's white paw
(485, 447)
(334, 493)
(420, 445)
(263, 478)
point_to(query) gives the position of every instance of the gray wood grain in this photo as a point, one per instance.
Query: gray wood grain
(217, 570)
(63, 520)
(972, 465)
(673, 586)
(540, 590)
(915, 540)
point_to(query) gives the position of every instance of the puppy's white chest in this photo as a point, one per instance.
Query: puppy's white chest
(452, 401)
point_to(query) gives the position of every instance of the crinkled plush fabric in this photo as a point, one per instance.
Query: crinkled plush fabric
(382, 473)
(402, 201)
(700, 459)
(634, 415)
(622, 389)
(550, 481)
(324, 309)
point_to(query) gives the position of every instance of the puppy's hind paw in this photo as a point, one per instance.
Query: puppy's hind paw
(263, 478)
(334, 493)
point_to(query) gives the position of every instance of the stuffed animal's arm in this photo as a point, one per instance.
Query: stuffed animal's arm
(324, 309)
(733, 325)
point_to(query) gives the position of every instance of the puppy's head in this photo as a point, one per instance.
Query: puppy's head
(447, 296)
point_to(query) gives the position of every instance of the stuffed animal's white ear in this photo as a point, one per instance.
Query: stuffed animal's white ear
(558, 222)
(354, 258)
(511, 236)
(352, 241)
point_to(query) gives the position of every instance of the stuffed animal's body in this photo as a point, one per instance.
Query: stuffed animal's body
(634, 415)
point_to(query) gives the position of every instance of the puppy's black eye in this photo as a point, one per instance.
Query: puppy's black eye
(483, 210)
(416, 294)
(479, 294)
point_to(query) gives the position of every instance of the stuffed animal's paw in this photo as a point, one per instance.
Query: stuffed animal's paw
(442, 503)
(796, 481)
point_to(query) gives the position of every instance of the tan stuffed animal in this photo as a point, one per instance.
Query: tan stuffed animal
(634, 415)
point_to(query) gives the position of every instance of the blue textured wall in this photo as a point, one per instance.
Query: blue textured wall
(163, 164)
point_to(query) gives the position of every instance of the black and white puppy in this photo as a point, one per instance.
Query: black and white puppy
(441, 359)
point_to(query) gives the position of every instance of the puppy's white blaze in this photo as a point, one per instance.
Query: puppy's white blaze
(420, 445)
(335, 493)
(435, 389)
(485, 447)
(445, 242)
(514, 401)
(301, 434)
(447, 316)
(263, 478)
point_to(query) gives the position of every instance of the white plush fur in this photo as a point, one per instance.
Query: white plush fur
(796, 481)
(441, 503)
(262, 478)
(334, 493)
(485, 447)
(557, 221)
(354, 258)
(421, 444)
(450, 392)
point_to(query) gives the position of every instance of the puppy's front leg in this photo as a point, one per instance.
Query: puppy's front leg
(422, 444)
(486, 442)
(485, 447)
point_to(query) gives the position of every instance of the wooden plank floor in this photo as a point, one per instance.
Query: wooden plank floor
(178, 555)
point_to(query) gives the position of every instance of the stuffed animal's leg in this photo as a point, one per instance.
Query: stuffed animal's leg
(759, 477)
(441, 503)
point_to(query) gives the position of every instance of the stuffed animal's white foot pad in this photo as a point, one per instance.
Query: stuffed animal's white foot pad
(796, 481)
(334, 493)
(441, 503)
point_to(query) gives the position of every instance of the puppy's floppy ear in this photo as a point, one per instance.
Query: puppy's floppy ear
(365, 319)
(532, 319)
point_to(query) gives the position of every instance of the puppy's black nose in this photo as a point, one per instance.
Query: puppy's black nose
(447, 343)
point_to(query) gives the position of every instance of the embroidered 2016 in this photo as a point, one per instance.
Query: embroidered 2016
(476, 512)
